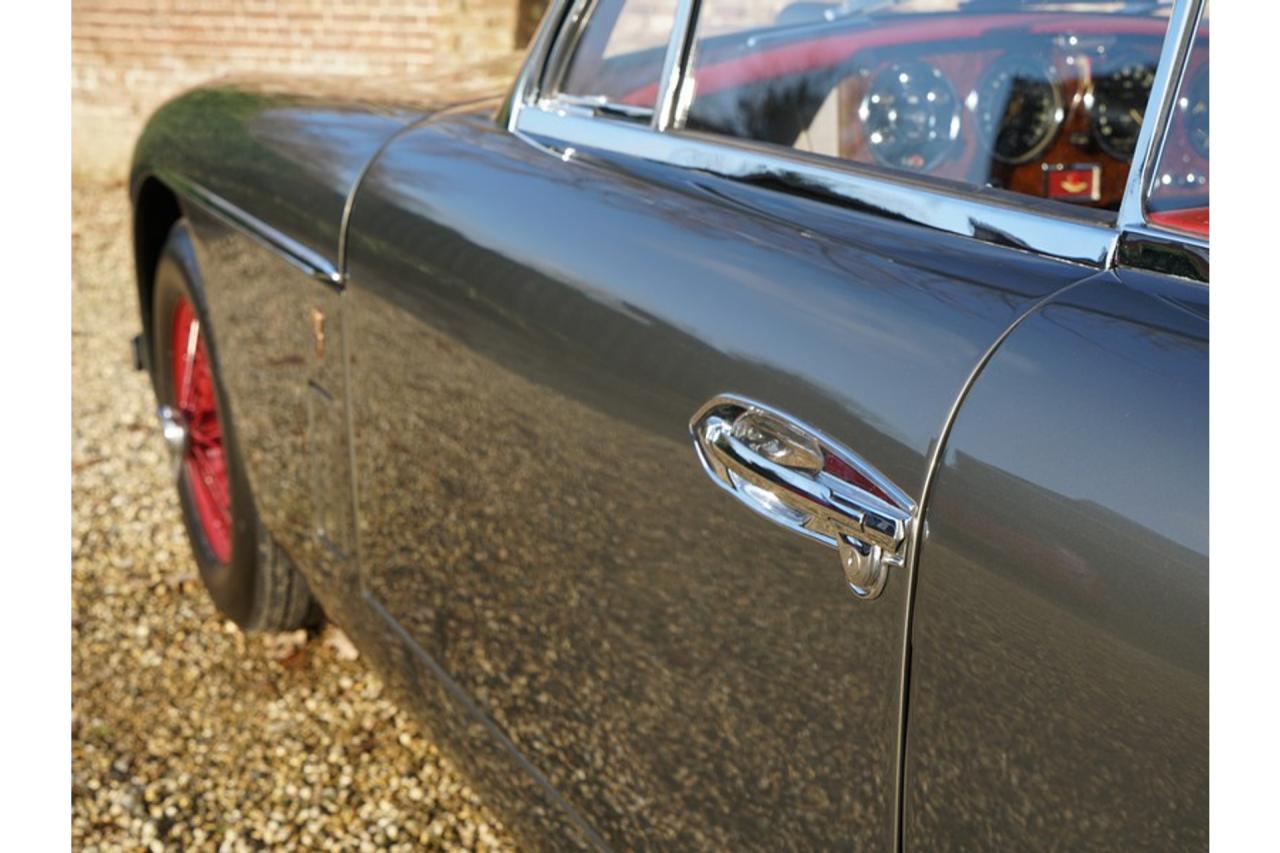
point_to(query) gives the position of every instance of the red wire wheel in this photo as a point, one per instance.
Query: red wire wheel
(205, 459)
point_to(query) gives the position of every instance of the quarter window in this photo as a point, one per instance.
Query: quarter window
(1045, 101)
(617, 58)
(1179, 197)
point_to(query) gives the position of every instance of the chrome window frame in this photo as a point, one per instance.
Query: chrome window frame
(669, 110)
(994, 216)
(559, 50)
(1133, 218)
(1151, 138)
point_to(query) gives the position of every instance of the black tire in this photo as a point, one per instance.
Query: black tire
(258, 587)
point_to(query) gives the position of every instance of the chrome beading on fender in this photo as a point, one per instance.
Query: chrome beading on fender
(303, 257)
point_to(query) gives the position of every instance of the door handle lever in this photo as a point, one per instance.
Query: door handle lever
(798, 478)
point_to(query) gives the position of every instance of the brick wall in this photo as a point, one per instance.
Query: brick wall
(129, 56)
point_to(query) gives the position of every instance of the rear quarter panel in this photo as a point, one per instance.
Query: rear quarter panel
(1059, 673)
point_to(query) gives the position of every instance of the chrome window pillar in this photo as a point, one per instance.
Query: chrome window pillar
(672, 97)
(1184, 22)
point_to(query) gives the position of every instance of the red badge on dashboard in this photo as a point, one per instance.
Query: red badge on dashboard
(1081, 183)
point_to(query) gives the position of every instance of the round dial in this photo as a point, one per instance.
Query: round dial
(910, 116)
(1195, 109)
(1119, 101)
(1017, 109)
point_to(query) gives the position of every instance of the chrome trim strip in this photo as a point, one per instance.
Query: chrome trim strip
(1165, 252)
(1015, 222)
(590, 105)
(913, 551)
(1193, 242)
(675, 65)
(299, 255)
(1184, 21)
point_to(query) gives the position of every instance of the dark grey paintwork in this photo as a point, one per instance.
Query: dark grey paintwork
(1060, 672)
(529, 338)
(284, 157)
(527, 548)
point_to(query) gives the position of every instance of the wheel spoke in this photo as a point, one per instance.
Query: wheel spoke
(206, 463)
(190, 345)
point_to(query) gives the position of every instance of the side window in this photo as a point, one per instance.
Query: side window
(618, 52)
(1042, 100)
(1179, 197)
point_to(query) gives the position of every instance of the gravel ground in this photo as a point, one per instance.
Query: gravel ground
(185, 732)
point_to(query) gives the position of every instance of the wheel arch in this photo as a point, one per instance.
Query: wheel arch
(155, 208)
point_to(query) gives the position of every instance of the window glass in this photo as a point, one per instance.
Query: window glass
(1179, 196)
(619, 53)
(1040, 99)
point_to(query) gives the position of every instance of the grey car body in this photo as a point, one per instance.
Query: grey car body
(487, 475)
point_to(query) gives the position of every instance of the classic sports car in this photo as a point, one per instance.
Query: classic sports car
(762, 424)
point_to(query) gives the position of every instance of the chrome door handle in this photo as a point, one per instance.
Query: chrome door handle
(797, 477)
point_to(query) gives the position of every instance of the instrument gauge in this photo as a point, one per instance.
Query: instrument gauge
(1119, 101)
(1017, 109)
(910, 116)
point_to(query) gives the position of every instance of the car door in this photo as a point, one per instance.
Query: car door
(554, 318)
